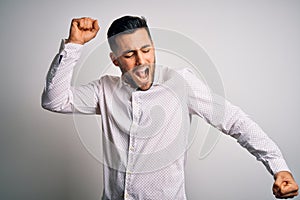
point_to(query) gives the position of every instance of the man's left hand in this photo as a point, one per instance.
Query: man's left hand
(284, 186)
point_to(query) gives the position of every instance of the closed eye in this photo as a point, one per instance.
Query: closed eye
(146, 50)
(128, 55)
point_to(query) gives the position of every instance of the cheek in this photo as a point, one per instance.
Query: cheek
(127, 65)
(150, 58)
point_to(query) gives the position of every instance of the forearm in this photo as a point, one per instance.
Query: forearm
(57, 94)
(250, 136)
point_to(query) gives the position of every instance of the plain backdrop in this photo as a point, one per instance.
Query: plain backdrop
(255, 46)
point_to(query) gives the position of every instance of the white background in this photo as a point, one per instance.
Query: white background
(255, 46)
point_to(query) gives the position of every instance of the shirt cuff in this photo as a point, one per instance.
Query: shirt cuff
(70, 49)
(278, 165)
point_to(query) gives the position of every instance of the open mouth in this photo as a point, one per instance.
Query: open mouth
(141, 73)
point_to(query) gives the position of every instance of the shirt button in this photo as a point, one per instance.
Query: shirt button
(126, 196)
(135, 104)
(131, 148)
(134, 125)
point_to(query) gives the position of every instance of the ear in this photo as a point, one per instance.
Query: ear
(114, 59)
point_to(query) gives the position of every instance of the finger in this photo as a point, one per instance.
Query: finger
(288, 191)
(278, 184)
(85, 23)
(276, 187)
(293, 194)
(75, 23)
(96, 27)
(81, 23)
(88, 23)
(290, 195)
(288, 186)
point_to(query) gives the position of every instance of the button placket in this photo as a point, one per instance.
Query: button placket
(133, 129)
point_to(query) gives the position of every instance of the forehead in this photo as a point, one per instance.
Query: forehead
(132, 41)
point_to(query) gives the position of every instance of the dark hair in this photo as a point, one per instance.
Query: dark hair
(125, 25)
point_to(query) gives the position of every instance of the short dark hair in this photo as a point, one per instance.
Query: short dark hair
(125, 25)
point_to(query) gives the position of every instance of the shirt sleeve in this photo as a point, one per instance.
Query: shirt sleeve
(58, 94)
(232, 121)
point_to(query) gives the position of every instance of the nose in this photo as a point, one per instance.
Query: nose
(140, 59)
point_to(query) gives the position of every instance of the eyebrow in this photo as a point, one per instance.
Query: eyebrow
(129, 51)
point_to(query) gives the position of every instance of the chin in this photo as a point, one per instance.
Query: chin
(145, 87)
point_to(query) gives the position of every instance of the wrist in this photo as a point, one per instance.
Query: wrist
(73, 41)
(280, 173)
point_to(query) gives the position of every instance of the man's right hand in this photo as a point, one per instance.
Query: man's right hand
(83, 30)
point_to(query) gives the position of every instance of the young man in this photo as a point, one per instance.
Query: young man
(146, 114)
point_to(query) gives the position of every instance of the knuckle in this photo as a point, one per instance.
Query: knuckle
(75, 20)
(276, 186)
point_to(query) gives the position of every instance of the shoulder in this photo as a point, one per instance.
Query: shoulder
(109, 79)
(105, 83)
(180, 75)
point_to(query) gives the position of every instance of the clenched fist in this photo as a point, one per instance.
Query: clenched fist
(285, 185)
(83, 30)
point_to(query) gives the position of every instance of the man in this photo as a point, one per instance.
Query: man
(146, 114)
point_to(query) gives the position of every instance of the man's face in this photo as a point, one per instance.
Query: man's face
(135, 55)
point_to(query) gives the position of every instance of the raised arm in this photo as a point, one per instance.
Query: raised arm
(58, 94)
